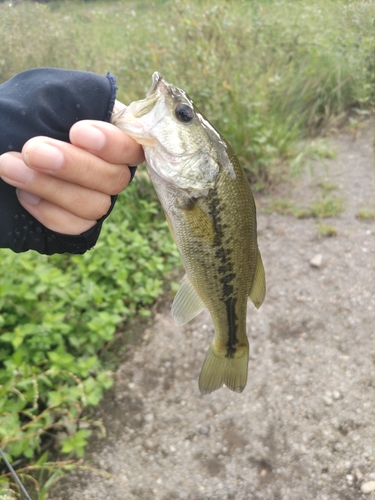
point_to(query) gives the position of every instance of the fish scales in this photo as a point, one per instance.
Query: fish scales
(211, 213)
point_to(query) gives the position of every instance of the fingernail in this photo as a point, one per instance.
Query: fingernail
(44, 156)
(29, 198)
(13, 169)
(89, 137)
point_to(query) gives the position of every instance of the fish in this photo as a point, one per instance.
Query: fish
(211, 213)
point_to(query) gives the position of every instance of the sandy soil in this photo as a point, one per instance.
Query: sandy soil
(304, 428)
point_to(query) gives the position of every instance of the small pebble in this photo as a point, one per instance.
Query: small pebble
(327, 400)
(148, 444)
(358, 474)
(317, 261)
(368, 487)
(350, 478)
(203, 430)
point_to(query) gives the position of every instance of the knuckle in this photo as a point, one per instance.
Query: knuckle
(89, 206)
(103, 207)
(119, 181)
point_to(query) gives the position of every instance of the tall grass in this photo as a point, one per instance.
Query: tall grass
(264, 72)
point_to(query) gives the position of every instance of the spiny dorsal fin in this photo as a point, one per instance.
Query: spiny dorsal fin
(186, 304)
(258, 289)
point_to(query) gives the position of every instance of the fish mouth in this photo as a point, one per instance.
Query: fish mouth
(158, 85)
(156, 78)
(130, 119)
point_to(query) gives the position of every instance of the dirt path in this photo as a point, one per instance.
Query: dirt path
(304, 428)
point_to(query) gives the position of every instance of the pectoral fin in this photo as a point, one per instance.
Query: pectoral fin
(186, 304)
(199, 223)
(258, 289)
(170, 227)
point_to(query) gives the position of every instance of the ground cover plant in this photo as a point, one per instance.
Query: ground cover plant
(266, 73)
(57, 313)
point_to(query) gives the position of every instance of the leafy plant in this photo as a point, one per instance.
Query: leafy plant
(58, 312)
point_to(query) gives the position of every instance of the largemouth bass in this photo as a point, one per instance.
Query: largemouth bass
(211, 214)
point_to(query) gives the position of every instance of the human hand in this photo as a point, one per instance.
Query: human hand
(68, 187)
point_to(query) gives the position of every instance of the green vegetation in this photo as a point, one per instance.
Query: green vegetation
(266, 73)
(326, 230)
(58, 313)
(365, 214)
(323, 206)
(320, 208)
(326, 207)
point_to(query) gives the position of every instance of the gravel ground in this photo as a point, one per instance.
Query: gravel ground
(304, 428)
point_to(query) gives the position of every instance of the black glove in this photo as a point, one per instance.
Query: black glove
(47, 101)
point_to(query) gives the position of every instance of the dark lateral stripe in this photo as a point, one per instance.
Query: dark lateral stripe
(227, 288)
(230, 304)
(223, 254)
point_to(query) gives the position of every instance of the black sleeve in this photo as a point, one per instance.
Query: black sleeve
(47, 101)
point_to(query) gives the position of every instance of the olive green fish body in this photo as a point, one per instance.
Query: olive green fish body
(211, 213)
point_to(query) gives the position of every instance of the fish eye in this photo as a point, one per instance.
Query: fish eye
(184, 113)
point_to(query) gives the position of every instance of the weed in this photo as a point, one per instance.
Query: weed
(280, 206)
(325, 230)
(365, 214)
(322, 207)
(326, 207)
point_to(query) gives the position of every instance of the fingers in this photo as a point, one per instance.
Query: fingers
(79, 200)
(75, 165)
(106, 141)
(52, 216)
(104, 170)
(68, 187)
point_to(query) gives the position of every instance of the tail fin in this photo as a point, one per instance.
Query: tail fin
(219, 368)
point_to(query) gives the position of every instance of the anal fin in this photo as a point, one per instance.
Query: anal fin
(186, 304)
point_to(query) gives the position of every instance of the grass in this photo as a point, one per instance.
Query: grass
(365, 214)
(325, 205)
(325, 230)
(266, 73)
(320, 208)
